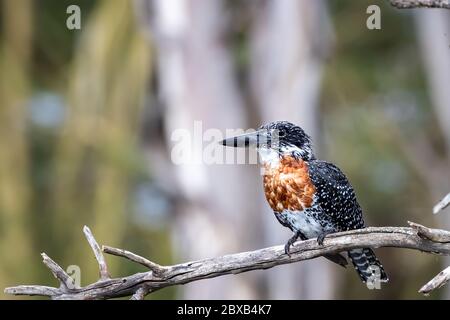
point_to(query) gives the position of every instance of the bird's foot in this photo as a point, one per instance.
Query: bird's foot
(321, 237)
(287, 247)
(290, 242)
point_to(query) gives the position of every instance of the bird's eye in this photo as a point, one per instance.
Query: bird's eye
(281, 133)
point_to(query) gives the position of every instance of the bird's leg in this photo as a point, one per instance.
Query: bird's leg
(322, 236)
(290, 242)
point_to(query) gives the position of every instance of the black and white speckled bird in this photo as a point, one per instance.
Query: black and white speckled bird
(311, 197)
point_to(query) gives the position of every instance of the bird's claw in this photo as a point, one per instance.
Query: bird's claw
(287, 249)
(290, 242)
(320, 238)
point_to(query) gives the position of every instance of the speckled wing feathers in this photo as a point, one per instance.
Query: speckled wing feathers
(335, 196)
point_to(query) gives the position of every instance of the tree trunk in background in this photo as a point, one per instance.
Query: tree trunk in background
(196, 82)
(15, 208)
(290, 40)
(433, 29)
(109, 77)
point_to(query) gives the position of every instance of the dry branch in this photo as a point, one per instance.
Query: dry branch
(64, 279)
(156, 268)
(410, 4)
(440, 280)
(443, 277)
(441, 205)
(102, 267)
(140, 284)
(139, 294)
(435, 235)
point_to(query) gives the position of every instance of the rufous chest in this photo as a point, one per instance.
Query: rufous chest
(288, 186)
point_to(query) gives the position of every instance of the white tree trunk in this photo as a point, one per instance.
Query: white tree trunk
(197, 83)
(289, 43)
(433, 29)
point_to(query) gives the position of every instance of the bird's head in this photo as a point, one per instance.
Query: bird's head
(276, 139)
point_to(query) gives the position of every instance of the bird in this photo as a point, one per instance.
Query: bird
(311, 197)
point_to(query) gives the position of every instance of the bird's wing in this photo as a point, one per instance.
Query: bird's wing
(336, 196)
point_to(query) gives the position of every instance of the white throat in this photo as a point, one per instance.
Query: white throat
(269, 157)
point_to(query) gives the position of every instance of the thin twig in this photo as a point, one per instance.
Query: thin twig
(437, 235)
(139, 294)
(64, 279)
(103, 268)
(438, 281)
(156, 268)
(410, 4)
(33, 290)
(441, 205)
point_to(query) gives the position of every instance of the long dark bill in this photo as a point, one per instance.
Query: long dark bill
(253, 139)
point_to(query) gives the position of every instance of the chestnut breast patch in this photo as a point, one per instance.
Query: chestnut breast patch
(288, 185)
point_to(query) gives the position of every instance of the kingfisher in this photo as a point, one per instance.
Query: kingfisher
(311, 197)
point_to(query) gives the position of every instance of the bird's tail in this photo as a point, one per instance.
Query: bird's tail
(369, 269)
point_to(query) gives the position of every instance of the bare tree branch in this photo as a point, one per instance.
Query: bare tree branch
(139, 294)
(103, 269)
(441, 205)
(156, 268)
(140, 284)
(435, 235)
(64, 279)
(442, 277)
(409, 4)
(440, 280)
(33, 290)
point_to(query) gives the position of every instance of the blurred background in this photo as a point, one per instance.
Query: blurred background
(87, 116)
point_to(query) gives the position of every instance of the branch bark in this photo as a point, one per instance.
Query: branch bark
(443, 277)
(102, 267)
(138, 285)
(410, 4)
(441, 205)
(438, 281)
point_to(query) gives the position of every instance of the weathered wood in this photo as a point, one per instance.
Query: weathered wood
(441, 205)
(64, 279)
(438, 281)
(435, 235)
(410, 4)
(102, 267)
(156, 268)
(140, 284)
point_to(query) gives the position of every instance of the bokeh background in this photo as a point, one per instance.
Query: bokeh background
(87, 116)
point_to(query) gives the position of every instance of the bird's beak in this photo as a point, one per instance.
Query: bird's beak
(253, 139)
